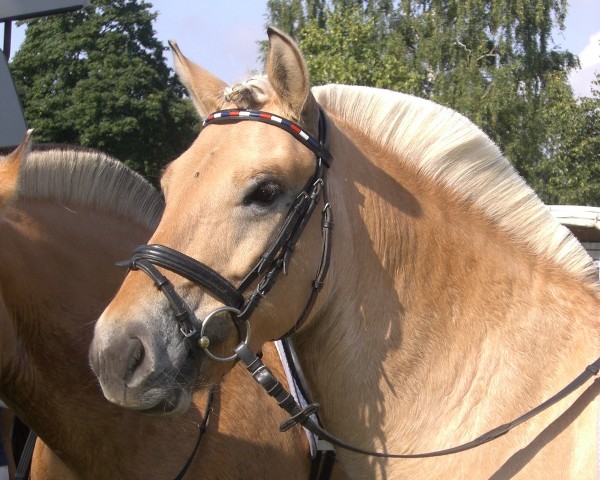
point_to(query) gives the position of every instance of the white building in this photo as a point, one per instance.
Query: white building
(584, 222)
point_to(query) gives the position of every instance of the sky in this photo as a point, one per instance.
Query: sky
(222, 36)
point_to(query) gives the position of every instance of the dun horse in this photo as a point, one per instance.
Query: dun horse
(453, 303)
(63, 225)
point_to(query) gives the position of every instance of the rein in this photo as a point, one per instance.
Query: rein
(201, 431)
(302, 416)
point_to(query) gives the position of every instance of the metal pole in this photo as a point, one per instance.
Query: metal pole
(7, 33)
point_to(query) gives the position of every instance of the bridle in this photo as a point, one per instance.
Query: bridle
(274, 260)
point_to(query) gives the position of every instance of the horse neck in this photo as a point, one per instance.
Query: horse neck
(425, 298)
(55, 289)
(58, 270)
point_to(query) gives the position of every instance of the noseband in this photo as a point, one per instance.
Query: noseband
(275, 259)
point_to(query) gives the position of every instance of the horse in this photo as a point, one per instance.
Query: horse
(453, 301)
(66, 216)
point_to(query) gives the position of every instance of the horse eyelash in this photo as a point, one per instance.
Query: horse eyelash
(256, 196)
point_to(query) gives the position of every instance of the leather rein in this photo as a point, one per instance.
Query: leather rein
(274, 260)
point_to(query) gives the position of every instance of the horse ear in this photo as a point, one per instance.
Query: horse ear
(204, 88)
(10, 168)
(288, 75)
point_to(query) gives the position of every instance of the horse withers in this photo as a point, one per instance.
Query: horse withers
(67, 215)
(453, 304)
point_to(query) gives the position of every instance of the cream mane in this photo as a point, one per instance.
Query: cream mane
(443, 145)
(90, 178)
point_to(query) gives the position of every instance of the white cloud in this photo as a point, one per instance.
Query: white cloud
(581, 80)
(590, 55)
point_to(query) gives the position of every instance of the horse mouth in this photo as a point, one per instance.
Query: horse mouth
(178, 395)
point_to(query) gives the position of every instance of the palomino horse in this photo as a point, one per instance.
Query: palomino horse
(74, 214)
(454, 302)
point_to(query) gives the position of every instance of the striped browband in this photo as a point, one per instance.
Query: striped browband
(224, 116)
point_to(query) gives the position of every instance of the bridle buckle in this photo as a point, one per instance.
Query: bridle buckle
(189, 334)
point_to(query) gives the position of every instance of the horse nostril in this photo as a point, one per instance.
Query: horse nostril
(135, 353)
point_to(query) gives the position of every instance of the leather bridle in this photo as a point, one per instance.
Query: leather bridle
(272, 262)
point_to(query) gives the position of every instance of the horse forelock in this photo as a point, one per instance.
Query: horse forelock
(89, 178)
(252, 93)
(445, 147)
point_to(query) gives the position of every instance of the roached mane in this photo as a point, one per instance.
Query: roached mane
(89, 178)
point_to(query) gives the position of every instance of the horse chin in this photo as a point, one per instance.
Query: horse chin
(176, 403)
(177, 396)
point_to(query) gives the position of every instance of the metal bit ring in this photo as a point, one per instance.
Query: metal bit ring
(204, 341)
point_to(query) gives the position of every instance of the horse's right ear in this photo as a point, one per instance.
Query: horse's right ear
(204, 88)
(10, 168)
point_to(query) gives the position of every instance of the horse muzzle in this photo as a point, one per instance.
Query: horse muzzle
(149, 364)
(136, 373)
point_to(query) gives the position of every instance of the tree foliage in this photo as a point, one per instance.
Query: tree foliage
(491, 60)
(569, 172)
(98, 78)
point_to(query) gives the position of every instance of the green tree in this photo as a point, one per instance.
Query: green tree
(98, 78)
(491, 60)
(570, 170)
(355, 52)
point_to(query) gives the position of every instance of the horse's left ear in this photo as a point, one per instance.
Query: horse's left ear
(289, 77)
(10, 169)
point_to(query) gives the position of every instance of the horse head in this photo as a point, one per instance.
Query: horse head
(227, 198)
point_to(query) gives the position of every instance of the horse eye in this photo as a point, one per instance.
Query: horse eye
(264, 194)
